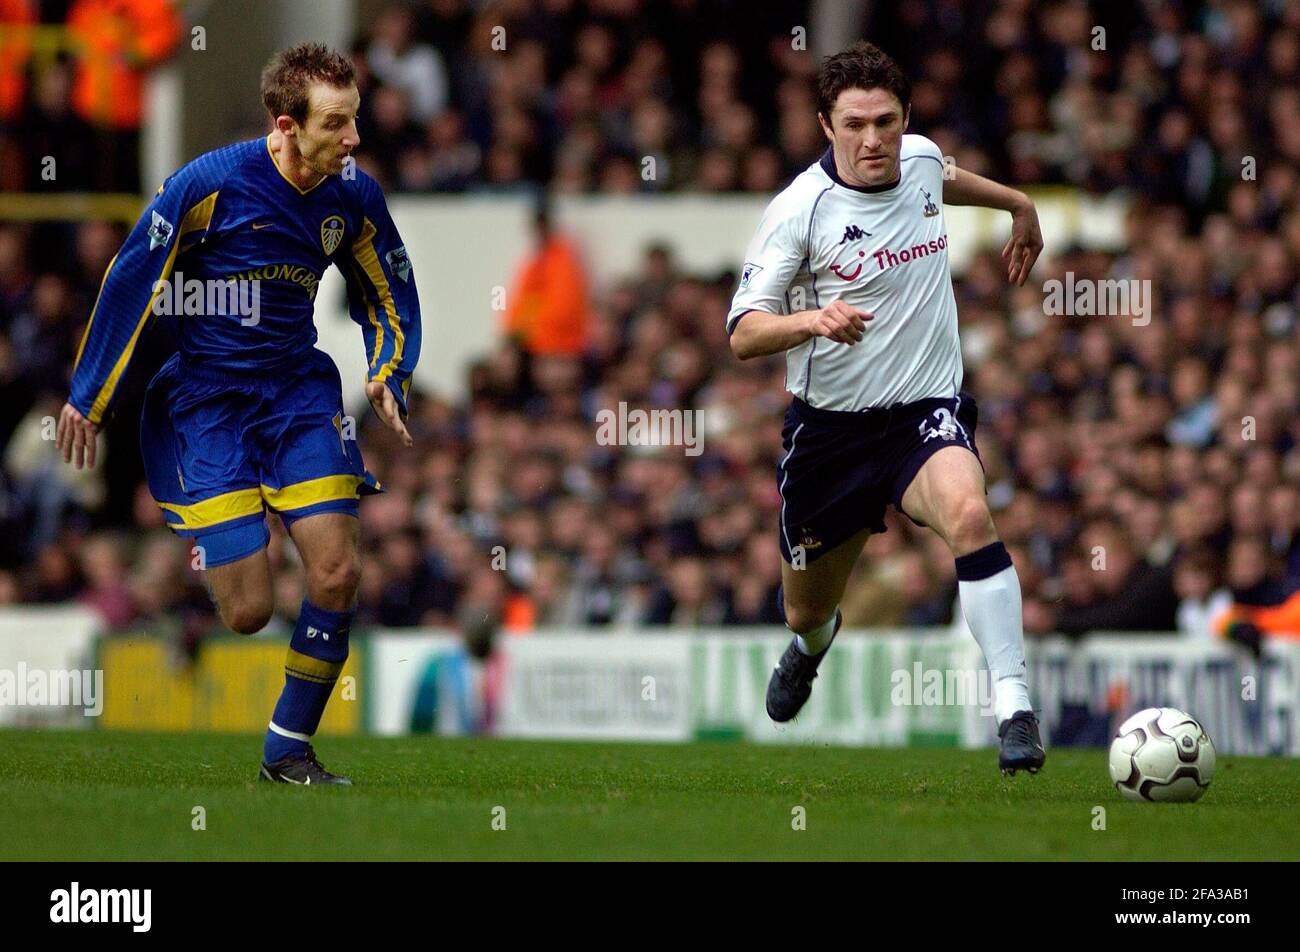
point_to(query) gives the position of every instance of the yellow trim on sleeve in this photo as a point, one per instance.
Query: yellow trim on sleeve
(310, 492)
(199, 216)
(218, 509)
(110, 383)
(374, 321)
(86, 333)
(363, 251)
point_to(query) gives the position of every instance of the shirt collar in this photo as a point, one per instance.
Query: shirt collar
(828, 166)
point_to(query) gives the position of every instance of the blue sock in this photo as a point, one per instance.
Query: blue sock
(317, 650)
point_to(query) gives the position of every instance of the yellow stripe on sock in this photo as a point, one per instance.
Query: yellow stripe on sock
(308, 668)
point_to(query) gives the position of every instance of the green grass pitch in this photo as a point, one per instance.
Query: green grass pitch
(99, 795)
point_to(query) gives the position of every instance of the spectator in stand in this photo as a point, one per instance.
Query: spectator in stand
(104, 566)
(15, 51)
(546, 307)
(1128, 594)
(1201, 598)
(15, 17)
(414, 68)
(117, 42)
(684, 599)
(1265, 604)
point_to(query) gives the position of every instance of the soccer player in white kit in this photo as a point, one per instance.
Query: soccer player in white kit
(848, 276)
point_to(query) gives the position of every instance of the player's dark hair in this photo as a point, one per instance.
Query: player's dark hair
(287, 79)
(862, 66)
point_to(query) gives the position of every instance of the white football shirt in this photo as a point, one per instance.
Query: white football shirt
(883, 249)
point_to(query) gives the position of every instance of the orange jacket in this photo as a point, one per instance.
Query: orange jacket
(116, 40)
(1273, 621)
(520, 615)
(15, 50)
(547, 308)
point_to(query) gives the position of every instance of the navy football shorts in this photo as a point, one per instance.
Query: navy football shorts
(841, 469)
(221, 448)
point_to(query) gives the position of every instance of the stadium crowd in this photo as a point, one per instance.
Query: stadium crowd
(1149, 96)
(1144, 474)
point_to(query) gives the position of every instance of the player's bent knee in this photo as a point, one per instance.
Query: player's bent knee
(970, 526)
(247, 619)
(337, 581)
(801, 619)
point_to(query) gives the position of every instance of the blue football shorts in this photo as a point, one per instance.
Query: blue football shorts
(222, 447)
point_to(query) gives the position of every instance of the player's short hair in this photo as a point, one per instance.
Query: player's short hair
(287, 79)
(862, 66)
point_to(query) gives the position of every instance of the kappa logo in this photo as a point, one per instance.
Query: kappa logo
(748, 272)
(399, 263)
(930, 209)
(854, 233)
(313, 632)
(160, 231)
(810, 541)
(331, 233)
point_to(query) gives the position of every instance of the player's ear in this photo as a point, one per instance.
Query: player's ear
(907, 114)
(825, 123)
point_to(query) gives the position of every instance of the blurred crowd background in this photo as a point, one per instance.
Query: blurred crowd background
(1145, 475)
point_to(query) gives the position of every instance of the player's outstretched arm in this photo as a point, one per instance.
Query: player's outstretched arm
(179, 213)
(382, 299)
(1026, 242)
(758, 333)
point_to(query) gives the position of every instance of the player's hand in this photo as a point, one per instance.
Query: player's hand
(840, 322)
(75, 437)
(384, 404)
(1024, 245)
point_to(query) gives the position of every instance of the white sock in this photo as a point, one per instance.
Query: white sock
(815, 641)
(993, 611)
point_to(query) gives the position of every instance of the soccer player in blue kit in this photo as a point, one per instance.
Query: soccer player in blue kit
(248, 414)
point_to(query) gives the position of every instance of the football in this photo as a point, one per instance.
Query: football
(1162, 754)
